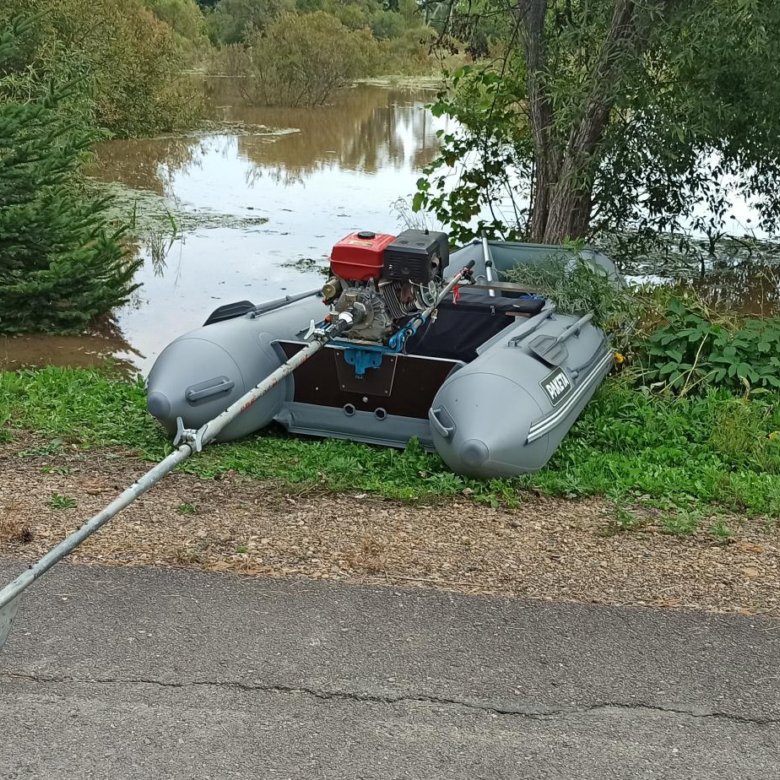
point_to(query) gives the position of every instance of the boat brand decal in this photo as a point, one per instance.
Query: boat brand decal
(557, 386)
(547, 423)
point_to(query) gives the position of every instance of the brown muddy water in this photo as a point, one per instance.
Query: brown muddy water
(249, 208)
(264, 190)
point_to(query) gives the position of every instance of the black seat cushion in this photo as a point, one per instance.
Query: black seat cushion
(462, 326)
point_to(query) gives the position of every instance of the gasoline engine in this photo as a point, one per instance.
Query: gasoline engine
(385, 279)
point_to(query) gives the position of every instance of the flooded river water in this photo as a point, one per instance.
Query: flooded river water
(250, 209)
(249, 204)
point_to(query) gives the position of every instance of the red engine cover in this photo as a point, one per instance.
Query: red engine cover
(360, 256)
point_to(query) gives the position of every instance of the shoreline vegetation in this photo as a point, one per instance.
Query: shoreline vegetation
(684, 439)
(680, 465)
(74, 72)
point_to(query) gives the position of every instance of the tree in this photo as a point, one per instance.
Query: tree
(184, 17)
(235, 21)
(61, 262)
(124, 70)
(610, 114)
(301, 60)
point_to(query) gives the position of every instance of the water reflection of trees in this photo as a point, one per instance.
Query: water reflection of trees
(103, 346)
(369, 130)
(146, 163)
(750, 288)
(742, 274)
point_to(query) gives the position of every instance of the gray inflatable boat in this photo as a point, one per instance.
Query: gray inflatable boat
(492, 379)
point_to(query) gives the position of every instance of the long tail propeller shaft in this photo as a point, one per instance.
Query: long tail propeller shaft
(187, 442)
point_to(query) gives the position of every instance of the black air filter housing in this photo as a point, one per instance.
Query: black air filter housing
(417, 256)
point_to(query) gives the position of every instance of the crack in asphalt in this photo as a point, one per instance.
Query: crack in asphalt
(354, 696)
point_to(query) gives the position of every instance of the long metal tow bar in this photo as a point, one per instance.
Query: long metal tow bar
(187, 443)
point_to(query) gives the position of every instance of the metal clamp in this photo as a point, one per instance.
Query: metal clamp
(361, 359)
(189, 436)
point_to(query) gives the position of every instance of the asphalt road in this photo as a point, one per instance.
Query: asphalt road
(146, 673)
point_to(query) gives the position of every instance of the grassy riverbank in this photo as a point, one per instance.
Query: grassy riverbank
(676, 464)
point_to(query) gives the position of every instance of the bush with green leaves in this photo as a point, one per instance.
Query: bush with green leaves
(120, 69)
(694, 349)
(186, 20)
(235, 21)
(62, 263)
(301, 60)
(676, 341)
(577, 286)
(399, 24)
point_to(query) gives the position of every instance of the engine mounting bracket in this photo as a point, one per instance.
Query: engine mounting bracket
(362, 358)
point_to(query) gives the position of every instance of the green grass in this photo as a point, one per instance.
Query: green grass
(680, 455)
(185, 508)
(58, 501)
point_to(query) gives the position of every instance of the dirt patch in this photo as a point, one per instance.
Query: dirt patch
(550, 549)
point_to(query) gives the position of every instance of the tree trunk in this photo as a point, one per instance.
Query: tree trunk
(563, 187)
(569, 216)
(530, 16)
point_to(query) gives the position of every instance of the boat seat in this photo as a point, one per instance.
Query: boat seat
(480, 297)
(463, 326)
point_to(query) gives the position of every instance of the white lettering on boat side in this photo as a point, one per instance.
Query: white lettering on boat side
(556, 385)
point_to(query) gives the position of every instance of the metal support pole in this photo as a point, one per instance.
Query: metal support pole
(488, 258)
